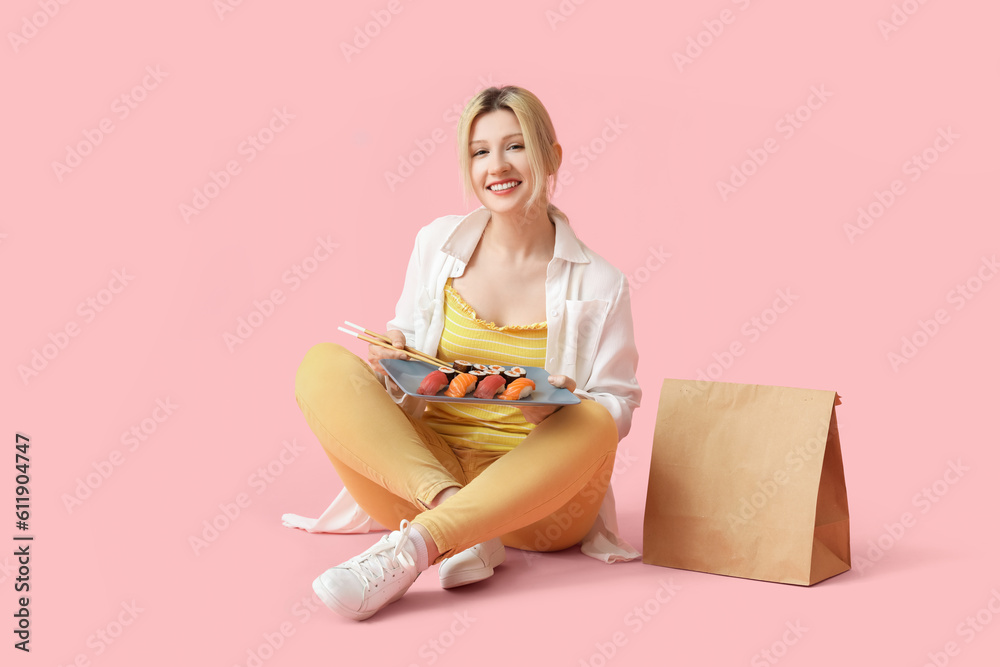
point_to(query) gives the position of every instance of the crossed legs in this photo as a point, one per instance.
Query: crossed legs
(543, 495)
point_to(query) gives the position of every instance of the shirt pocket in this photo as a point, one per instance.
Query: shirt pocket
(584, 324)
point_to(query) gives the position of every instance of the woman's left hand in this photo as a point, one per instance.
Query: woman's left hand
(537, 413)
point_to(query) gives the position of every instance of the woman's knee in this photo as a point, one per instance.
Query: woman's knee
(562, 529)
(595, 420)
(325, 354)
(324, 361)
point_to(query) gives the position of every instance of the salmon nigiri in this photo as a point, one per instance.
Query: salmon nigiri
(461, 385)
(519, 388)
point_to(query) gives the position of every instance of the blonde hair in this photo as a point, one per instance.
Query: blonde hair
(536, 128)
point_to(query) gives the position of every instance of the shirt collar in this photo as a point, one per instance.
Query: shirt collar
(462, 241)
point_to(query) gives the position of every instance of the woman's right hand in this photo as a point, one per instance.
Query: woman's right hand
(376, 352)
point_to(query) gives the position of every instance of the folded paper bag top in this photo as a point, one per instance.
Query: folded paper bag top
(747, 481)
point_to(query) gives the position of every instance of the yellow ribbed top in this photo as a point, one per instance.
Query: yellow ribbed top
(466, 336)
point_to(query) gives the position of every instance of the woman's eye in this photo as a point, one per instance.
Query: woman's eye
(483, 151)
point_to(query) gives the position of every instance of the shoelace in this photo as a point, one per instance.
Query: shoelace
(378, 562)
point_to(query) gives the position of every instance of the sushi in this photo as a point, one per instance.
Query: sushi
(461, 385)
(510, 376)
(433, 383)
(519, 388)
(480, 367)
(462, 366)
(489, 387)
(449, 372)
(495, 369)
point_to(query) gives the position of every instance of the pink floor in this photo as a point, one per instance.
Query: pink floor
(193, 196)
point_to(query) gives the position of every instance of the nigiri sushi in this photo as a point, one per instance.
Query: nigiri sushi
(510, 376)
(433, 383)
(489, 386)
(519, 388)
(461, 385)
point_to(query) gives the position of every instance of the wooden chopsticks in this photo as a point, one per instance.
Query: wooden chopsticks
(382, 340)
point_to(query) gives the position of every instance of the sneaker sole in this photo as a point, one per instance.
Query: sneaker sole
(330, 600)
(467, 577)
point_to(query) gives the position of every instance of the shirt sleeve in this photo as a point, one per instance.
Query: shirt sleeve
(405, 307)
(406, 310)
(612, 381)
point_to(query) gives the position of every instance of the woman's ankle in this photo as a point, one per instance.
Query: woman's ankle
(444, 495)
(432, 548)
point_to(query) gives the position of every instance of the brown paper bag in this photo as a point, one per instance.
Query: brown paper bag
(747, 481)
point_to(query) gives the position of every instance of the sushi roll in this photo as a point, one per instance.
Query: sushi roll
(462, 366)
(518, 369)
(489, 386)
(460, 386)
(433, 383)
(509, 376)
(449, 373)
(495, 369)
(519, 388)
(479, 374)
(479, 367)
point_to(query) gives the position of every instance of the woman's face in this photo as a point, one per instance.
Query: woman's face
(501, 176)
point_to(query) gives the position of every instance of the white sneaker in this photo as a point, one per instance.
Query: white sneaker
(373, 579)
(472, 565)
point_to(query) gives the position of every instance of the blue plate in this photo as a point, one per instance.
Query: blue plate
(409, 374)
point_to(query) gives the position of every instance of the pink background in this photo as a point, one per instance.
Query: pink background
(674, 132)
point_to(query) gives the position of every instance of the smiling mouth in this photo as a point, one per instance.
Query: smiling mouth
(503, 187)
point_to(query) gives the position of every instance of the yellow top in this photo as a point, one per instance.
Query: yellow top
(465, 336)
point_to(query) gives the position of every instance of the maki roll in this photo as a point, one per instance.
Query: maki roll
(449, 373)
(462, 366)
(479, 367)
(495, 369)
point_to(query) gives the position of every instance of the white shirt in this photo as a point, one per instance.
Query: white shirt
(589, 338)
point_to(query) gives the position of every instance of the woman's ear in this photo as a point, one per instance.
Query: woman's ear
(559, 154)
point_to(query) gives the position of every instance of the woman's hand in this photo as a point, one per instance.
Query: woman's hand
(376, 352)
(536, 414)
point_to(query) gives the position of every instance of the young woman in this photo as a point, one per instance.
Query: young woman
(507, 284)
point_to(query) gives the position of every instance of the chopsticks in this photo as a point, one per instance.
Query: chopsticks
(382, 340)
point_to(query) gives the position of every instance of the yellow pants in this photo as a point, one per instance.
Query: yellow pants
(543, 495)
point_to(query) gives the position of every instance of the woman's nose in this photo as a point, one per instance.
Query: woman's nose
(498, 162)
